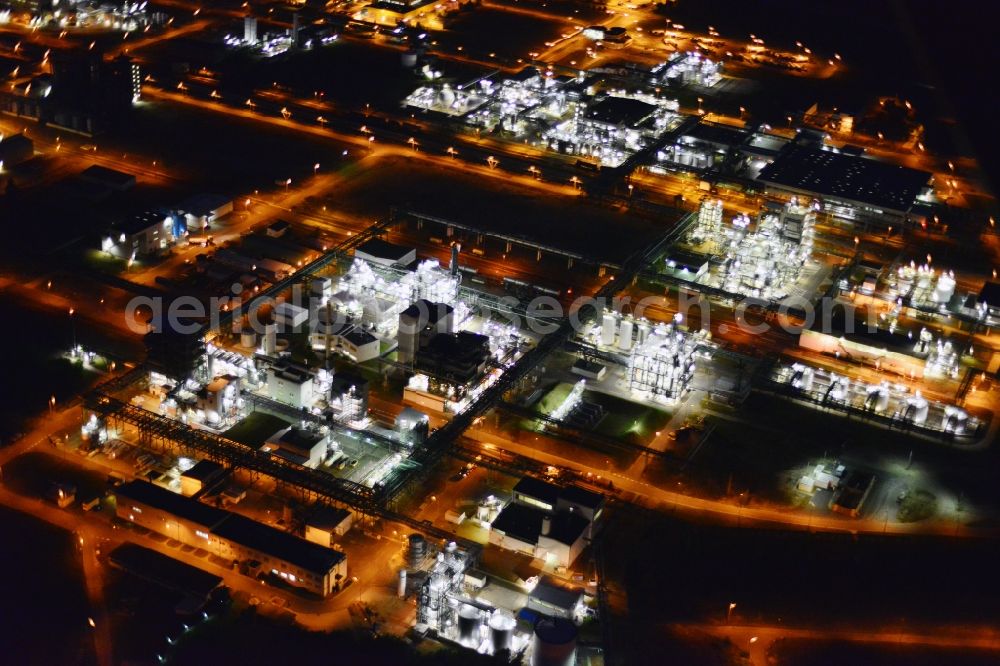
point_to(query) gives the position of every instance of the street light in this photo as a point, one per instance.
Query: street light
(285, 113)
(321, 120)
(315, 168)
(492, 161)
(413, 143)
(451, 151)
(72, 327)
(729, 611)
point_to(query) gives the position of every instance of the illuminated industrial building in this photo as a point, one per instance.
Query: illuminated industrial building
(255, 548)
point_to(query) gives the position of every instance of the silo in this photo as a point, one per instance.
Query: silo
(401, 589)
(248, 339)
(270, 339)
(417, 550)
(468, 625)
(501, 630)
(554, 642)
(643, 331)
(608, 329)
(917, 409)
(625, 335)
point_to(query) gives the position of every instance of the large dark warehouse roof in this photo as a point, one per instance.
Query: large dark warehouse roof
(856, 179)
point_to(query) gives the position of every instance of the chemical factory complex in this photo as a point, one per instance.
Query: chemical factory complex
(488, 332)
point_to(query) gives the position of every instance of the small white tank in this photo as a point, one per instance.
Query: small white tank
(608, 329)
(270, 339)
(625, 335)
(248, 339)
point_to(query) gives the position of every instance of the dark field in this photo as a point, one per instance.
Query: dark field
(45, 607)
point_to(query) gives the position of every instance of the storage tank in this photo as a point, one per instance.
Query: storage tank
(916, 409)
(944, 289)
(409, 58)
(468, 625)
(643, 332)
(625, 335)
(401, 586)
(878, 398)
(417, 550)
(608, 329)
(248, 339)
(554, 642)
(501, 630)
(270, 339)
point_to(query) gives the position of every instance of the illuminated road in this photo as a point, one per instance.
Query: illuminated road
(759, 639)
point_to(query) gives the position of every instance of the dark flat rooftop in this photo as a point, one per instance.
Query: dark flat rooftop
(539, 489)
(266, 539)
(166, 571)
(556, 595)
(165, 500)
(521, 522)
(566, 527)
(620, 111)
(854, 178)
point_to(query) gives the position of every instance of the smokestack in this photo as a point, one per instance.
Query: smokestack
(455, 249)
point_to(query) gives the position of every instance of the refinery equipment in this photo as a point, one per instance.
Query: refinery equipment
(687, 68)
(444, 607)
(661, 366)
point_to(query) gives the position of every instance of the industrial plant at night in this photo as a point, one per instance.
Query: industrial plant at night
(512, 332)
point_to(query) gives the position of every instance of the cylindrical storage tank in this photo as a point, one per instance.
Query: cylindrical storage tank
(625, 335)
(944, 289)
(643, 332)
(917, 409)
(468, 624)
(401, 586)
(878, 399)
(608, 329)
(248, 339)
(501, 630)
(554, 642)
(270, 339)
(409, 58)
(417, 550)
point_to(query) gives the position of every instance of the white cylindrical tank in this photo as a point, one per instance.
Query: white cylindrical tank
(917, 409)
(502, 626)
(643, 332)
(878, 398)
(270, 339)
(625, 335)
(248, 339)
(468, 625)
(944, 289)
(401, 586)
(608, 329)
(409, 58)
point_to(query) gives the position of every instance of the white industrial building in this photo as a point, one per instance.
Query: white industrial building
(302, 446)
(327, 522)
(547, 522)
(291, 384)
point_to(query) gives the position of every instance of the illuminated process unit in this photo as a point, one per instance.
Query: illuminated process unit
(560, 113)
(763, 263)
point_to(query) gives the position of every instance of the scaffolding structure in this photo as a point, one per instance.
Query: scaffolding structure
(661, 366)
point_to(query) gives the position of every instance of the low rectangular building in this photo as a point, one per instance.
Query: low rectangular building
(326, 522)
(256, 547)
